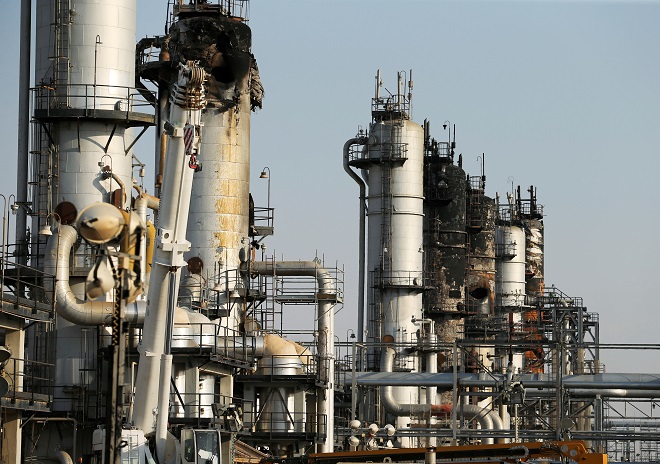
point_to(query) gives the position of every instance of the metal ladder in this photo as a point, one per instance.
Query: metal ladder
(61, 31)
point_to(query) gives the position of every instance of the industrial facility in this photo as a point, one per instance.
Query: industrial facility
(144, 317)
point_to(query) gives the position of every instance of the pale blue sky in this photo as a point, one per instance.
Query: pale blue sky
(562, 95)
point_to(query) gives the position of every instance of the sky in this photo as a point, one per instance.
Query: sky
(561, 95)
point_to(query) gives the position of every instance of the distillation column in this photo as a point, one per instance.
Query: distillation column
(85, 105)
(218, 226)
(395, 161)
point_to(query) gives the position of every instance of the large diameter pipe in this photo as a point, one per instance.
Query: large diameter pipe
(67, 304)
(488, 419)
(326, 341)
(362, 232)
(603, 382)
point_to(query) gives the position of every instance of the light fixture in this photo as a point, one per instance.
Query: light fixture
(219, 287)
(45, 230)
(265, 174)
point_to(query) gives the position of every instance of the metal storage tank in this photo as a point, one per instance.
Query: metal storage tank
(510, 299)
(85, 79)
(395, 224)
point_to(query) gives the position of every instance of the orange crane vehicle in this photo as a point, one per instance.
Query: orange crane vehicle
(549, 451)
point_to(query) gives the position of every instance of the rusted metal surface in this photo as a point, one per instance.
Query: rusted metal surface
(219, 211)
(445, 242)
(481, 263)
(535, 259)
(222, 45)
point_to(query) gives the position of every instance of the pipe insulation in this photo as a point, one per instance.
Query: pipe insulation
(487, 418)
(604, 382)
(67, 304)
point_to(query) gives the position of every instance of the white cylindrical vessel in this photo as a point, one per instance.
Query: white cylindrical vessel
(85, 61)
(395, 224)
(510, 242)
(219, 210)
(395, 236)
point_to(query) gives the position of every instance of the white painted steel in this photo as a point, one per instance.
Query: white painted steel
(171, 243)
(111, 63)
(395, 236)
(401, 257)
(511, 268)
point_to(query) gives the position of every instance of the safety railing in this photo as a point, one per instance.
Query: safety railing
(397, 278)
(264, 220)
(306, 290)
(209, 406)
(232, 8)
(29, 381)
(285, 422)
(25, 291)
(49, 101)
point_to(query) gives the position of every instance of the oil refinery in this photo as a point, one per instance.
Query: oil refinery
(145, 318)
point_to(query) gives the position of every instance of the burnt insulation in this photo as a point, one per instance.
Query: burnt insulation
(222, 45)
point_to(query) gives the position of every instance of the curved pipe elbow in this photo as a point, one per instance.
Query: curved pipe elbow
(153, 203)
(347, 167)
(67, 304)
(488, 419)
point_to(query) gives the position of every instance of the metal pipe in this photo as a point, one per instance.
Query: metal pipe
(487, 418)
(153, 203)
(632, 423)
(141, 204)
(67, 304)
(23, 130)
(614, 393)
(122, 188)
(362, 232)
(649, 382)
(431, 391)
(326, 340)
(429, 456)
